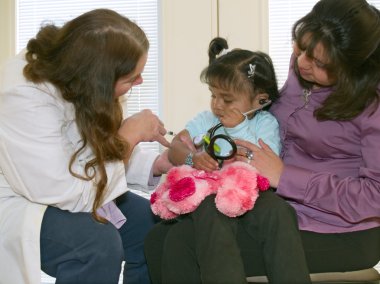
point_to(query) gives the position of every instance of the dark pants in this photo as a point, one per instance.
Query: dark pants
(208, 247)
(77, 249)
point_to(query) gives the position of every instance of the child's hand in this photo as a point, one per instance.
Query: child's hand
(162, 164)
(231, 118)
(203, 161)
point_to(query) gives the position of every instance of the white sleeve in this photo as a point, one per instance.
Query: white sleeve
(35, 150)
(139, 169)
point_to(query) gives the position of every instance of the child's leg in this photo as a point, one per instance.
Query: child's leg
(203, 248)
(154, 249)
(271, 227)
(179, 260)
(216, 246)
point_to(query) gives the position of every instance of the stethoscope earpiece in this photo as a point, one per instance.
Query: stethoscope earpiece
(262, 101)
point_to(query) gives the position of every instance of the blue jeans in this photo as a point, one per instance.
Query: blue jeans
(75, 248)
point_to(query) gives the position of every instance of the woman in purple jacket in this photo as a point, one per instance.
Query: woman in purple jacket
(328, 170)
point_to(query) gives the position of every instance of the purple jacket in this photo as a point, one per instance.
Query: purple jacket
(332, 168)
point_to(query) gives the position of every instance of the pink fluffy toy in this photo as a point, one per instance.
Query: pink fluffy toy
(236, 186)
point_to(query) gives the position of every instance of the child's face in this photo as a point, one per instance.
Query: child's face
(224, 102)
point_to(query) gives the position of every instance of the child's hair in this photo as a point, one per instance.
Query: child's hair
(240, 70)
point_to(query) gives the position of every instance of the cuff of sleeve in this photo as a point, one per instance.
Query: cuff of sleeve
(112, 213)
(293, 183)
(153, 180)
(139, 169)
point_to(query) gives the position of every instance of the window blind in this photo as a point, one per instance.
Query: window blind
(31, 14)
(282, 15)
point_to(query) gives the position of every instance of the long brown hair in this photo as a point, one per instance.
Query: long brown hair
(84, 59)
(349, 31)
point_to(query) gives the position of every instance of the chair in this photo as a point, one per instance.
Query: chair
(367, 276)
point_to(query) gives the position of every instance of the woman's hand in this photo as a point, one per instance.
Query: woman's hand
(143, 126)
(264, 160)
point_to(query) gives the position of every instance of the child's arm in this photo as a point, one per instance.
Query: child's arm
(180, 147)
(182, 151)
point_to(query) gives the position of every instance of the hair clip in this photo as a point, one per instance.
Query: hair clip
(223, 52)
(251, 71)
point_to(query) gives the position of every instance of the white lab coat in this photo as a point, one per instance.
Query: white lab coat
(38, 135)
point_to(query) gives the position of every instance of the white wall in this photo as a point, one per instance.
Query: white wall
(187, 29)
(7, 29)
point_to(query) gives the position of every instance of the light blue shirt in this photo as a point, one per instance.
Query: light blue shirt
(263, 125)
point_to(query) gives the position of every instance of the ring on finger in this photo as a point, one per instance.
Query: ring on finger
(249, 155)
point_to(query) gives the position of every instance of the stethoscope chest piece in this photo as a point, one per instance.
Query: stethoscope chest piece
(212, 144)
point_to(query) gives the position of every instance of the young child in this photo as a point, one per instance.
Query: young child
(242, 84)
(239, 81)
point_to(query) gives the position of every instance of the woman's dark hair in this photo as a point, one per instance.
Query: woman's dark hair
(230, 71)
(349, 31)
(84, 59)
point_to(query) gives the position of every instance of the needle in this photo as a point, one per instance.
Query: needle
(268, 102)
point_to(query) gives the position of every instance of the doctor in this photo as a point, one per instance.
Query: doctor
(67, 155)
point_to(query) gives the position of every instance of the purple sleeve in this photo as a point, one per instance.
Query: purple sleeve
(112, 213)
(352, 198)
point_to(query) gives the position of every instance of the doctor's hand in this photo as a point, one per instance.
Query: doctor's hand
(263, 159)
(143, 126)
